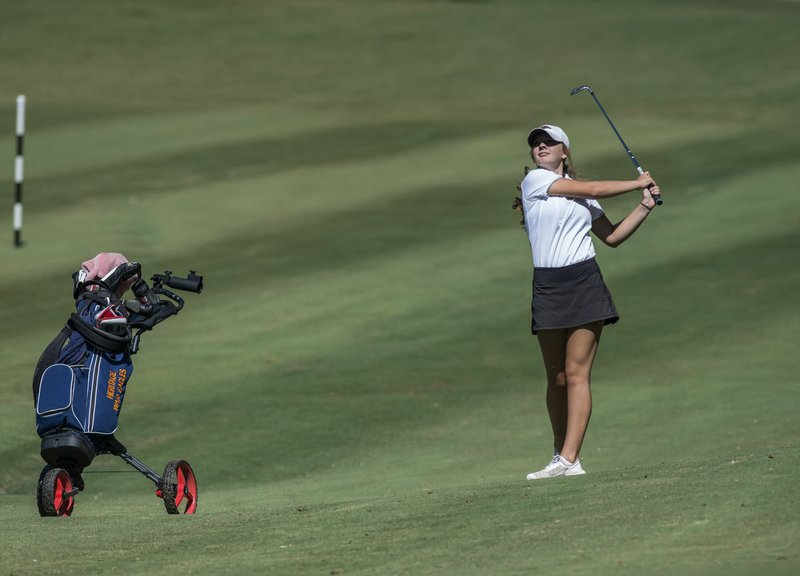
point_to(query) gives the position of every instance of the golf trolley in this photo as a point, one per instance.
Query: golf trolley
(80, 380)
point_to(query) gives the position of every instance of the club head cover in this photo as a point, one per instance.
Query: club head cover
(111, 269)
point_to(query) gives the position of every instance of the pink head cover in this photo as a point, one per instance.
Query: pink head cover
(102, 265)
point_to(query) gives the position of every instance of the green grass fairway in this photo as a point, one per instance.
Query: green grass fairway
(357, 388)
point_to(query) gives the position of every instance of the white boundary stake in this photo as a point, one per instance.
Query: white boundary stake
(19, 171)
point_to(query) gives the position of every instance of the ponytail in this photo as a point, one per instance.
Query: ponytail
(569, 170)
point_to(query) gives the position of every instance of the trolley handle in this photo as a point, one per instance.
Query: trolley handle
(155, 304)
(192, 283)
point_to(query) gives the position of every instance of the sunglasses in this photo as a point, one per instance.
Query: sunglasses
(544, 139)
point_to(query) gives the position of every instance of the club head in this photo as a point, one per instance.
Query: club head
(581, 89)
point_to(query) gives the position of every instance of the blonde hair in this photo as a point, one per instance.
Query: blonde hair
(569, 169)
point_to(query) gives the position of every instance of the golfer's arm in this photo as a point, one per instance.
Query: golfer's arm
(615, 234)
(591, 189)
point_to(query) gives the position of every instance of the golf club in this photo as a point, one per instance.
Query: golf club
(656, 197)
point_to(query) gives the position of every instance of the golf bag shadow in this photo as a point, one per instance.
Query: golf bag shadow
(80, 381)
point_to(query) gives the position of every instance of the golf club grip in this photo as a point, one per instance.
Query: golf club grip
(656, 197)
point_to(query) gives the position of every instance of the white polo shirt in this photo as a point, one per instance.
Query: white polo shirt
(558, 227)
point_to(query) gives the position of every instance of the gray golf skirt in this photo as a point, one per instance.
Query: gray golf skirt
(570, 296)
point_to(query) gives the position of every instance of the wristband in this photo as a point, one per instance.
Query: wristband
(646, 206)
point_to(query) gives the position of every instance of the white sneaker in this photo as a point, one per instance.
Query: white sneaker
(558, 466)
(577, 470)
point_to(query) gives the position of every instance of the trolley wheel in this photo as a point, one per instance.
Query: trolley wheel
(179, 488)
(55, 492)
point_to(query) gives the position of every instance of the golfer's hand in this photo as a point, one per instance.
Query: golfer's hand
(645, 181)
(648, 193)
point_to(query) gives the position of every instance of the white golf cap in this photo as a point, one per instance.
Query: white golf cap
(554, 132)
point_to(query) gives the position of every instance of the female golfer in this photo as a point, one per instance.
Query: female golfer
(571, 303)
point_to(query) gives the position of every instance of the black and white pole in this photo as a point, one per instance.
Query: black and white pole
(19, 171)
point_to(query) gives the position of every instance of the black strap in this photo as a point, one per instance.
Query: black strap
(97, 338)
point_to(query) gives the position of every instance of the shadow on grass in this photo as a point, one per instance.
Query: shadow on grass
(245, 159)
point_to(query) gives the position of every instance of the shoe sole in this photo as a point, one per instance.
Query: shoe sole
(560, 476)
(575, 470)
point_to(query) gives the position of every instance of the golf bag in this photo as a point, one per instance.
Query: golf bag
(80, 379)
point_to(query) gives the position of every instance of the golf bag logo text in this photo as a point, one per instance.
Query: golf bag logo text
(116, 387)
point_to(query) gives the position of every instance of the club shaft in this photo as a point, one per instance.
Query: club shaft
(656, 197)
(614, 128)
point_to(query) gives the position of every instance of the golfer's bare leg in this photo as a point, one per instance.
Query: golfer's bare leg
(581, 350)
(553, 344)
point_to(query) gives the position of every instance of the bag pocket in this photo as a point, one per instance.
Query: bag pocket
(56, 390)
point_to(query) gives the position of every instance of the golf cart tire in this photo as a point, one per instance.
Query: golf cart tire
(54, 492)
(179, 488)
